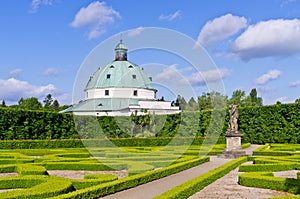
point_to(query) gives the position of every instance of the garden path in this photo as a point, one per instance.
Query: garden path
(157, 187)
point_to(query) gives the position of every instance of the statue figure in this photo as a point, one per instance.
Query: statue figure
(233, 120)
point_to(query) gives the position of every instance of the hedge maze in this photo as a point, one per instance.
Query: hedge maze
(31, 179)
(24, 173)
(276, 157)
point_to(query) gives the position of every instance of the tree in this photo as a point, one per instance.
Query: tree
(255, 101)
(237, 98)
(212, 100)
(192, 104)
(55, 105)
(297, 100)
(48, 101)
(204, 101)
(180, 101)
(29, 103)
(3, 103)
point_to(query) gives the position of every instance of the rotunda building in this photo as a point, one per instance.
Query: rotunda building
(120, 88)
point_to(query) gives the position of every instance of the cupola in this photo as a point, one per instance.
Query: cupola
(121, 52)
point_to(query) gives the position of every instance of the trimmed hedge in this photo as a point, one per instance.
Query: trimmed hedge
(263, 124)
(29, 169)
(120, 142)
(38, 187)
(19, 124)
(131, 181)
(269, 167)
(268, 181)
(192, 186)
(84, 166)
(92, 180)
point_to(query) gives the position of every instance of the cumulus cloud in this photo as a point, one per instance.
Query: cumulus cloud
(135, 32)
(220, 29)
(15, 72)
(294, 84)
(168, 73)
(268, 38)
(196, 78)
(13, 89)
(265, 78)
(97, 15)
(170, 17)
(35, 4)
(201, 78)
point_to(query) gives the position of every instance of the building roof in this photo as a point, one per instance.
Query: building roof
(122, 74)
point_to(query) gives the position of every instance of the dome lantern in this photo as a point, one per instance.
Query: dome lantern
(121, 52)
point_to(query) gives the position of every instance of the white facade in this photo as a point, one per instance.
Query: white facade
(138, 93)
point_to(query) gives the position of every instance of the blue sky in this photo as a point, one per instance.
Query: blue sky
(255, 44)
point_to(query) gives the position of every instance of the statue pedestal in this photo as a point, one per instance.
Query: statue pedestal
(233, 146)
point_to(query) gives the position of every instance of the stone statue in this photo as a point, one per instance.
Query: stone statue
(233, 120)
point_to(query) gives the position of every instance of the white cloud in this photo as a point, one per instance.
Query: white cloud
(269, 38)
(170, 17)
(97, 15)
(196, 79)
(52, 72)
(294, 84)
(271, 75)
(220, 28)
(135, 32)
(201, 78)
(169, 73)
(35, 4)
(13, 89)
(15, 72)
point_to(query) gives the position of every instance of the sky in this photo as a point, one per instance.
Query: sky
(253, 43)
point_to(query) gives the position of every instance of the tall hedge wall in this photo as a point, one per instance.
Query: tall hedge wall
(18, 124)
(263, 124)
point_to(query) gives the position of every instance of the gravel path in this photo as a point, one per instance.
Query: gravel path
(157, 187)
(227, 187)
(80, 174)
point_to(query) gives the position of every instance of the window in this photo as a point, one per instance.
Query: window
(135, 93)
(150, 78)
(111, 66)
(106, 92)
(134, 76)
(130, 66)
(108, 76)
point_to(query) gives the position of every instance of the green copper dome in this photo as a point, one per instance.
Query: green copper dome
(120, 73)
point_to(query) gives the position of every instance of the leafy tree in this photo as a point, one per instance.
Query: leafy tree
(253, 100)
(55, 105)
(204, 101)
(29, 103)
(142, 122)
(237, 98)
(297, 100)
(192, 104)
(48, 101)
(180, 101)
(212, 100)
